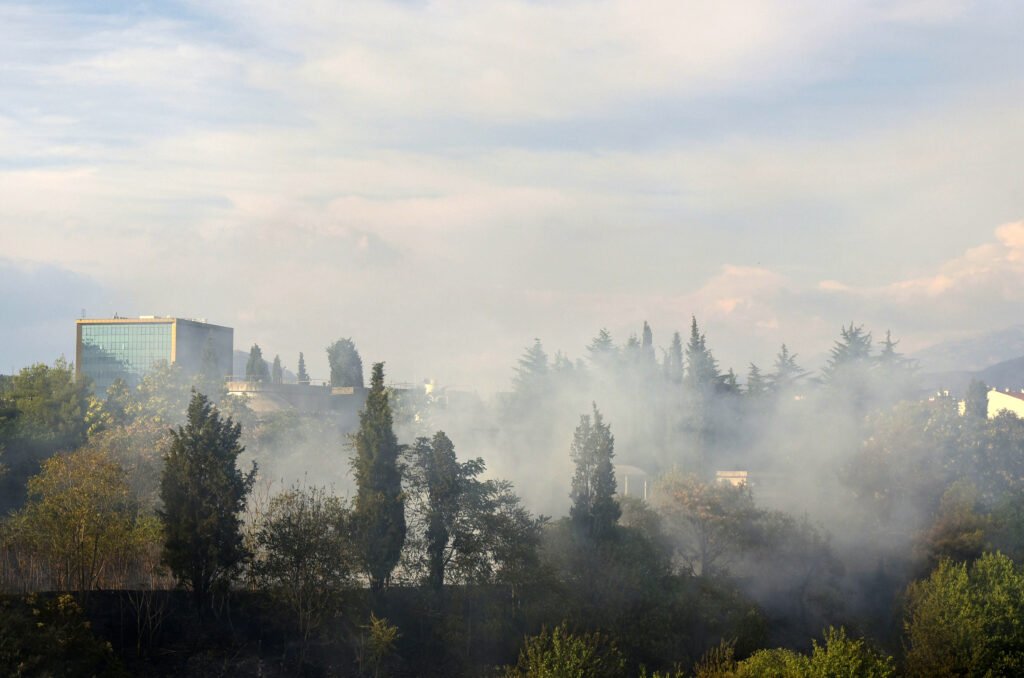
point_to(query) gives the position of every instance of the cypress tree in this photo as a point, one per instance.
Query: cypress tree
(302, 376)
(379, 507)
(203, 494)
(595, 511)
(276, 373)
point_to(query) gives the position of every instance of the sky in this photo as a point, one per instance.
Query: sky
(445, 181)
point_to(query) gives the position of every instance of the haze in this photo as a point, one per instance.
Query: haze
(445, 181)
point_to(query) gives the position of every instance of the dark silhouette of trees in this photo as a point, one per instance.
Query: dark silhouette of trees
(379, 513)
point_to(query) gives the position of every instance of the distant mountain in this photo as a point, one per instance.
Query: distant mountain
(974, 354)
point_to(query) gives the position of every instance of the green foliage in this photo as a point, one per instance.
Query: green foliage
(464, 530)
(378, 643)
(560, 653)
(379, 508)
(595, 510)
(83, 523)
(276, 372)
(958, 532)
(256, 368)
(840, 657)
(203, 493)
(302, 376)
(346, 365)
(50, 638)
(304, 554)
(966, 620)
(531, 379)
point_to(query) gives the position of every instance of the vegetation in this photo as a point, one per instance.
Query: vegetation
(885, 525)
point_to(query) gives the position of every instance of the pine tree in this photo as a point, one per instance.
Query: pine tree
(203, 493)
(346, 365)
(302, 376)
(647, 345)
(276, 373)
(702, 368)
(756, 383)
(256, 368)
(602, 350)
(595, 511)
(531, 377)
(379, 507)
(786, 370)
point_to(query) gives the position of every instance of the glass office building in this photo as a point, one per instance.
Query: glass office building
(129, 348)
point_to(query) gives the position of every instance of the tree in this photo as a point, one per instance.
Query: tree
(83, 522)
(674, 360)
(303, 554)
(976, 402)
(594, 511)
(463, 529)
(965, 621)
(379, 509)
(756, 383)
(701, 367)
(256, 368)
(44, 410)
(446, 490)
(346, 365)
(203, 494)
(839, 656)
(302, 376)
(276, 373)
(708, 524)
(603, 353)
(531, 377)
(560, 653)
(647, 345)
(786, 371)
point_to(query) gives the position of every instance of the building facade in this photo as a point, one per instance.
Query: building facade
(107, 349)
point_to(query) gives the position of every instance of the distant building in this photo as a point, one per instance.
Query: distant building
(734, 478)
(1011, 401)
(107, 349)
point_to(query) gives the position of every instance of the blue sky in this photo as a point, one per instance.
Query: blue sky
(444, 181)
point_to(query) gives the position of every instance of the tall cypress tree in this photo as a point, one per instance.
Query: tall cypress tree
(595, 511)
(379, 508)
(276, 372)
(301, 375)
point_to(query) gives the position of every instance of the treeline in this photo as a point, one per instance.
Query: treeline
(879, 533)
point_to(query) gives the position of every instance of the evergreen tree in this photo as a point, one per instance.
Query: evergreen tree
(276, 373)
(595, 511)
(379, 508)
(302, 376)
(976, 403)
(602, 350)
(256, 368)
(851, 353)
(203, 493)
(647, 345)
(786, 370)
(346, 365)
(531, 377)
(756, 383)
(674, 361)
(702, 368)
